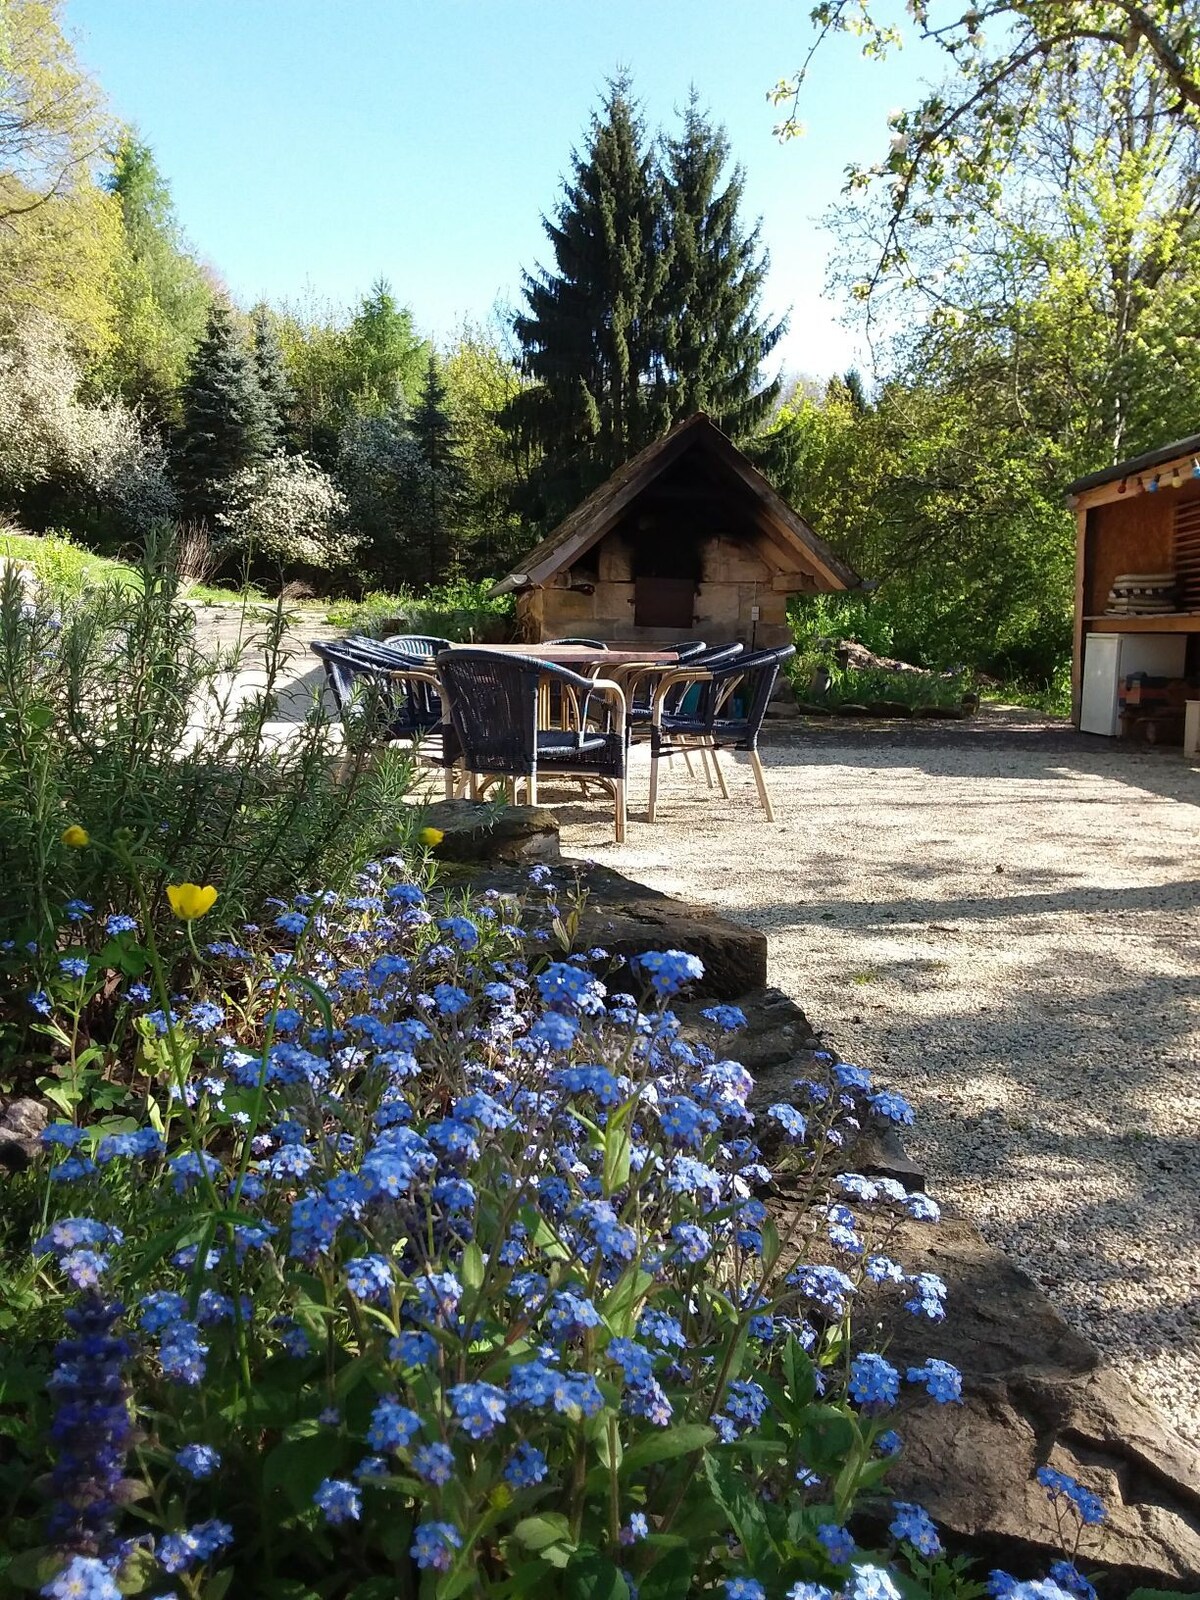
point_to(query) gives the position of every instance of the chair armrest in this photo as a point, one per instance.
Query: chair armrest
(672, 680)
(606, 689)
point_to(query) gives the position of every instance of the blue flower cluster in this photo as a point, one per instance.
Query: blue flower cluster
(498, 1226)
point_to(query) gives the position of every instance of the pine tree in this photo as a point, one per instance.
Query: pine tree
(271, 370)
(591, 335)
(226, 423)
(716, 341)
(443, 480)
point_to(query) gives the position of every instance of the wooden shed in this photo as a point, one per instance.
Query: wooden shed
(688, 539)
(1139, 520)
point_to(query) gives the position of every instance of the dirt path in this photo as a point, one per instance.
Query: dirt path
(1000, 920)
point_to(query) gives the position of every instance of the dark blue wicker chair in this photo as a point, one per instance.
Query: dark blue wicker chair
(413, 646)
(732, 702)
(383, 695)
(641, 705)
(494, 700)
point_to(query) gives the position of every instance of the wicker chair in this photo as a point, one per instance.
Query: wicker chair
(419, 646)
(493, 701)
(732, 704)
(641, 705)
(383, 696)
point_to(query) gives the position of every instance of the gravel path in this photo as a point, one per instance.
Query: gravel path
(999, 919)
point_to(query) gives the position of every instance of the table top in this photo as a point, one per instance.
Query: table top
(582, 655)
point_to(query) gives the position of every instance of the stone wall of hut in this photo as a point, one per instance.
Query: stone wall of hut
(597, 599)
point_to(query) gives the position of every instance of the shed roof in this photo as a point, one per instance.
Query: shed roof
(599, 513)
(1143, 463)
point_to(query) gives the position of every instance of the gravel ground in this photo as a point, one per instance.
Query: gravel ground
(998, 918)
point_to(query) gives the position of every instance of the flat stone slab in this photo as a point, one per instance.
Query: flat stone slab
(1035, 1394)
(475, 831)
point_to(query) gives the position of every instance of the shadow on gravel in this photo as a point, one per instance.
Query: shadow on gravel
(934, 748)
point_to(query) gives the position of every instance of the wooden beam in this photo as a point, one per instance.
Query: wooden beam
(1081, 538)
(1172, 622)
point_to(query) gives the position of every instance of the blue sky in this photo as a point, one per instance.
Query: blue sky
(312, 147)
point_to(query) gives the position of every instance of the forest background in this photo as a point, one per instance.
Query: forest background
(1023, 261)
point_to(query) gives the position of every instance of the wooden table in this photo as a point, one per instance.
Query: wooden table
(581, 657)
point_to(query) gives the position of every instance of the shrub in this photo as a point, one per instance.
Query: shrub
(462, 611)
(283, 514)
(449, 1273)
(59, 452)
(112, 718)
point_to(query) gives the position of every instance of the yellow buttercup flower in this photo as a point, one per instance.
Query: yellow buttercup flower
(76, 837)
(191, 900)
(430, 837)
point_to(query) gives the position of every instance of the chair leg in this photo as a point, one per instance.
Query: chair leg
(687, 761)
(705, 753)
(720, 771)
(760, 778)
(650, 809)
(619, 816)
(531, 791)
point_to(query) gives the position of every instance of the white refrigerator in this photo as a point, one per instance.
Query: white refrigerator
(1110, 658)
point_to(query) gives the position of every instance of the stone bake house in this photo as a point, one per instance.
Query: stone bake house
(687, 540)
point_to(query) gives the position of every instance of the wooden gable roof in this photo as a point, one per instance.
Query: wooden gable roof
(769, 516)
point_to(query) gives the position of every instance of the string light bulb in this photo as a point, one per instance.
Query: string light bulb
(1121, 490)
(1152, 486)
(1196, 466)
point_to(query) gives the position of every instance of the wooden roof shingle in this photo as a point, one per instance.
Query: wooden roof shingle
(771, 515)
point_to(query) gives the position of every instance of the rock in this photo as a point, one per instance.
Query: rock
(628, 919)
(852, 709)
(776, 1044)
(879, 1152)
(808, 708)
(474, 831)
(941, 713)
(889, 708)
(21, 1125)
(1035, 1393)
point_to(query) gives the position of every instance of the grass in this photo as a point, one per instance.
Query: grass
(68, 568)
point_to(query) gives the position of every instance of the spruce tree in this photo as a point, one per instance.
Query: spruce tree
(591, 334)
(226, 424)
(278, 395)
(443, 479)
(716, 341)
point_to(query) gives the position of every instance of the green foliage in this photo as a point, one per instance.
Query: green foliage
(114, 719)
(462, 611)
(592, 329)
(1009, 65)
(441, 485)
(715, 340)
(64, 568)
(162, 297)
(227, 426)
(273, 381)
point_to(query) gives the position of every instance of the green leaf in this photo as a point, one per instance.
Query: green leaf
(744, 1511)
(33, 1568)
(471, 1270)
(800, 1373)
(591, 1576)
(296, 1466)
(681, 1440)
(668, 1579)
(826, 1438)
(538, 1533)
